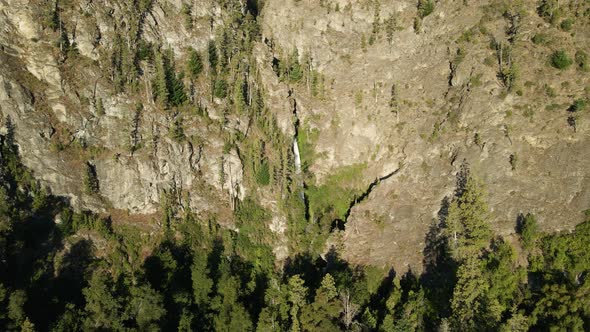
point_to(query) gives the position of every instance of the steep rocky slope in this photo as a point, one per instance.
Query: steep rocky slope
(454, 99)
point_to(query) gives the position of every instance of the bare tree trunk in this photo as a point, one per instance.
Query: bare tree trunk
(349, 309)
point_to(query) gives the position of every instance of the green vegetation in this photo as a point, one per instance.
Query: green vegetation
(79, 271)
(549, 10)
(176, 130)
(168, 88)
(425, 8)
(513, 161)
(582, 61)
(540, 39)
(578, 105)
(292, 70)
(306, 139)
(528, 230)
(99, 107)
(205, 277)
(376, 23)
(263, 175)
(561, 60)
(566, 25)
(187, 13)
(220, 88)
(195, 64)
(332, 199)
(90, 179)
(390, 27)
(508, 71)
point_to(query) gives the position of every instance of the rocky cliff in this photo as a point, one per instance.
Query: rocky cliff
(365, 87)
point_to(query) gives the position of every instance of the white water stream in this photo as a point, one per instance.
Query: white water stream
(298, 165)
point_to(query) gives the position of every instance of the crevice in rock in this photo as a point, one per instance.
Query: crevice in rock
(253, 6)
(135, 135)
(453, 72)
(340, 223)
(194, 165)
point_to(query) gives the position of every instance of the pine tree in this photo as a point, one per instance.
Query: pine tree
(176, 95)
(146, 307)
(413, 312)
(323, 313)
(295, 71)
(469, 296)
(529, 231)
(220, 88)
(202, 284)
(240, 95)
(159, 84)
(195, 64)
(91, 185)
(467, 229)
(15, 309)
(504, 278)
(297, 295)
(212, 51)
(103, 308)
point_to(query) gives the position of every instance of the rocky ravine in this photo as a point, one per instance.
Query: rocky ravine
(443, 102)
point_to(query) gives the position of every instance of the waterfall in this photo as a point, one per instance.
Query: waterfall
(296, 152)
(297, 156)
(298, 166)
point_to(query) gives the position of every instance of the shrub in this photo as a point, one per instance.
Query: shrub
(578, 105)
(582, 61)
(549, 10)
(566, 25)
(425, 8)
(549, 91)
(188, 18)
(560, 60)
(177, 131)
(539, 39)
(509, 75)
(99, 107)
(513, 160)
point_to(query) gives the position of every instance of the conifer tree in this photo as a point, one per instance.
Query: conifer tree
(195, 63)
(103, 308)
(91, 185)
(469, 301)
(159, 84)
(322, 314)
(295, 71)
(212, 52)
(297, 295)
(467, 228)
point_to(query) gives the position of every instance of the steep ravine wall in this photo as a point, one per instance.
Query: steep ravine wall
(441, 109)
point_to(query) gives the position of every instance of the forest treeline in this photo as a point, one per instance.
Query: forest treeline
(62, 270)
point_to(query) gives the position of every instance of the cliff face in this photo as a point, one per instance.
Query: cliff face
(452, 106)
(57, 117)
(453, 99)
